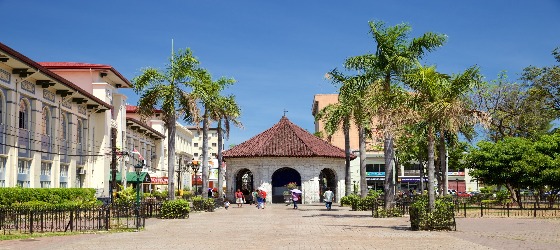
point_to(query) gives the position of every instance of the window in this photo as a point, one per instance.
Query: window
(375, 167)
(45, 184)
(196, 144)
(64, 127)
(45, 168)
(196, 154)
(79, 132)
(214, 144)
(23, 184)
(63, 185)
(23, 167)
(214, 154)
(2, 166)
(46, 125)
(2, 183)
(23, 112)
(64, 171)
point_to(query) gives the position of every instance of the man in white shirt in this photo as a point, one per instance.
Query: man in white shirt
(328, 197)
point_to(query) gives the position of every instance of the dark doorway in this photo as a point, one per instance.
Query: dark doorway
(280, 178)
(327, 179)
(244, 182)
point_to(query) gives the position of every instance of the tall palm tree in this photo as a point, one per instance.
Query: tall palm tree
(167, 90)
(436, 99)
(207, 92)
(394, 55)
(225, 111)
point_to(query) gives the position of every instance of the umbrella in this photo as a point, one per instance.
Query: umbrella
(297, 191)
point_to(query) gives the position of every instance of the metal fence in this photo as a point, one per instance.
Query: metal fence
(25, 220)
(549, 210)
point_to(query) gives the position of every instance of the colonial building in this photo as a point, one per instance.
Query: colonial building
(283, 154)
(53, 133)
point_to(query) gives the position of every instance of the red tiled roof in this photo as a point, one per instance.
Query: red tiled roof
(134, 109)
(78, 65)
(285, 139)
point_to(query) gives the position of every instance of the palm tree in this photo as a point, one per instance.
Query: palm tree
(333, 115)
(225, 110)
(437, 100)
(207, 92)
(166, 90)
(394, 55)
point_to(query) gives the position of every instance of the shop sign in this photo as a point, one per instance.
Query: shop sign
(375, 173)
(159, 180)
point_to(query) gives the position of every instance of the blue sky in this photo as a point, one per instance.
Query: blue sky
(278, 51)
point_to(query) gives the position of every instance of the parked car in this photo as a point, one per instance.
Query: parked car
(452, 191)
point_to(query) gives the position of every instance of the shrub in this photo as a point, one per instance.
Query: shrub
(175, 209)
(201, 204)
(442, 218)
(9, 196)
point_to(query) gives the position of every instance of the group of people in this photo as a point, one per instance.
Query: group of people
(259, 199)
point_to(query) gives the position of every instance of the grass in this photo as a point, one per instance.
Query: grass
(25, 236)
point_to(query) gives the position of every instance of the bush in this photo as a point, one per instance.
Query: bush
(9, 196)
(201, 204)
(175, 209)
(442, 218)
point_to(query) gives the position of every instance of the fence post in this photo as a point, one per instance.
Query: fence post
(507, 209)
(481, 212)
(72, 221)
(535, 209)
(465, 209)
(107, 219)
(30, 222)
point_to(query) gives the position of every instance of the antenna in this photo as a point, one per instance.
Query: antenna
(285, 111)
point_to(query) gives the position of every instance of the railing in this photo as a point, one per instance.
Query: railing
(62, 220)
(507, 210)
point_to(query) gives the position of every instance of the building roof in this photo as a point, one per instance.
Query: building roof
(285, 139)
(26, 62)
(153, 132)
(78, 65)
(134, 109)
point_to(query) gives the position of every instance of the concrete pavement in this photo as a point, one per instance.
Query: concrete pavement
(309, 227)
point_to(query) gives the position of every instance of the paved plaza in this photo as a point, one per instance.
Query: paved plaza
(310, 227)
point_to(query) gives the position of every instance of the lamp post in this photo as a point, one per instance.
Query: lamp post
(195, 166)
(457, 184)
(138, 170)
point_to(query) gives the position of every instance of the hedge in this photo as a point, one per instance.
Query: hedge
(14, 195)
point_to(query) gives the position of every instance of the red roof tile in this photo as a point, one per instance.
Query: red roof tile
(285, 139)
(134, 109)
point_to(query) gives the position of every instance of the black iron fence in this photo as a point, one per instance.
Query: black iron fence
(26, 220)
(528, 209)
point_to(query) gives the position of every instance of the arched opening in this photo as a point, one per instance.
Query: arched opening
(280, 178)
(327, 179)
(244, 182)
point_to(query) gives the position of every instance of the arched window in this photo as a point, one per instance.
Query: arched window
(64, 127)
(23, 114)
(46, 125)
(79, 133)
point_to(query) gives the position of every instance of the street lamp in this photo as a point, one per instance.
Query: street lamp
(195, 166)
(138, 170)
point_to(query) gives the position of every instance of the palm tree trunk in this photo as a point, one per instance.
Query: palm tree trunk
(388, 150)
(431, 168)
(443, 163)
(421, 187)
(205, 155)
(363, 181)
(171, 157)
(220, 170)
(347, 177)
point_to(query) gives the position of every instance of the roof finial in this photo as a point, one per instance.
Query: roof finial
(285, 111)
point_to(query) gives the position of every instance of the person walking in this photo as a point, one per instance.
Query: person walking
(328, 197)
(255, 196)
(295, 199)
(239, 198)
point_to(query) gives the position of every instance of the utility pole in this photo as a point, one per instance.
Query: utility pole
(113, 163)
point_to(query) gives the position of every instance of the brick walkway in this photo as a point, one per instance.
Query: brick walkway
(310, 227)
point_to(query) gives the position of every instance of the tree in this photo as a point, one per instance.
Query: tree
(224, 111)
(437, 99)
(333, 115)
(547, 81)
(394, 55)
(514, 109)
(208, 92)
(167, 90)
